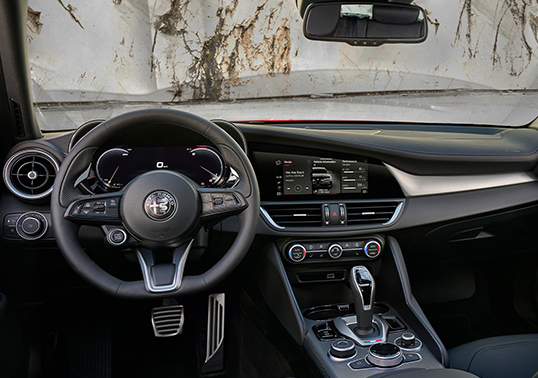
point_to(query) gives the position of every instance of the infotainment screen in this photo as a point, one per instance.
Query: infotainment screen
(304, 175)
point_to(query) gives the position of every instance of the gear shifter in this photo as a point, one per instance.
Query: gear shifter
(363, 289)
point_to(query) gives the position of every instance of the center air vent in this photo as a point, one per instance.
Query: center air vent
(366, 213)
(30, 174)
(363, 213)
(295, 215)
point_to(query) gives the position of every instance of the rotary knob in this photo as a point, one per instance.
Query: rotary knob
(335, 251)
(372, 249)
(32, 225)
(343, 349)
(385, 355)
(408, 340)
(297, 252)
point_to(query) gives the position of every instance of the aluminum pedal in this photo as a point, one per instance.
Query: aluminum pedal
(167, 321)
(215, 324)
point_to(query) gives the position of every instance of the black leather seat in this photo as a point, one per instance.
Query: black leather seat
(514, 356)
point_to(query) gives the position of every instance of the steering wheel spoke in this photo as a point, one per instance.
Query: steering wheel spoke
(163, 277)
(95, 210)
(220, 203)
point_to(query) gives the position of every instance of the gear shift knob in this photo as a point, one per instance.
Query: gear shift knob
(363, 289)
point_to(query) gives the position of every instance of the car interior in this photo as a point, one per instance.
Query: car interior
(159, 243)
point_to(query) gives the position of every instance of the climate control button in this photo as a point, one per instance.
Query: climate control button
(297, 252)
(372, 249)
(335, 251)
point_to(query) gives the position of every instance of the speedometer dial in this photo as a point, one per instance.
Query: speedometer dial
(109, 168)
(207, 167)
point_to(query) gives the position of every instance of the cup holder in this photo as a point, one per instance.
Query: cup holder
(327, 312)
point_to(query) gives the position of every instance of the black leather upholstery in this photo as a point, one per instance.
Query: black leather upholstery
(498, 357)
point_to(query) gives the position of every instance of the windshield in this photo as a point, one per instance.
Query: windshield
(246, 60)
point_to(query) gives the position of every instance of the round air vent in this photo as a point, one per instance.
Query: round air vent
(30, 174)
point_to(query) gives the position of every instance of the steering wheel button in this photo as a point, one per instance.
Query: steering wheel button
(208, 206)
(85, 211)
(112, 202)
(99, 208)
(206, 197)
(218, 201)
(87, 205)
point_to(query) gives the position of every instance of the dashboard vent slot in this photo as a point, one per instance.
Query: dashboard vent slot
(17, 117)
(30, 174)
(295, 215)
(366, 213)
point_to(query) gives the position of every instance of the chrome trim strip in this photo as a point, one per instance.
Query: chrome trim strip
(395, 215)
(265, 215)
(345, 324)
(179, 259)
(414, 186)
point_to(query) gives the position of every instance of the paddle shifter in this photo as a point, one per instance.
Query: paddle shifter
(363, 289)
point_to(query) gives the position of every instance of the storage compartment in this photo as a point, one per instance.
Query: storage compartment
(336, 310)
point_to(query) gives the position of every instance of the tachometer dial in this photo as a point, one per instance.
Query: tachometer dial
(208, 167)
(109, 168)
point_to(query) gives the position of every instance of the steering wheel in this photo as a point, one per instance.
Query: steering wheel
(160, 210)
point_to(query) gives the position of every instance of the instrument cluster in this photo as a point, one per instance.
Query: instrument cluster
(114, 168)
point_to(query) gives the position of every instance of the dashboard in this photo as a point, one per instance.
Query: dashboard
(316, 179)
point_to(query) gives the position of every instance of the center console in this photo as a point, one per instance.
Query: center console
(348, 303)
(337, 284)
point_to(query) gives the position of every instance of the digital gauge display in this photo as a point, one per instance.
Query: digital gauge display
(116, 167)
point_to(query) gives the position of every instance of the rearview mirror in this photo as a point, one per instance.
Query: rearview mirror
(361, 24)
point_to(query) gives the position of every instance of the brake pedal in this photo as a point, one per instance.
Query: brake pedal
(167, 321)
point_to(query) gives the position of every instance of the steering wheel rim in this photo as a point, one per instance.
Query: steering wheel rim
(64, 195)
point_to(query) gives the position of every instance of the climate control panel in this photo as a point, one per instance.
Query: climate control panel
(32, 225)
(305, 251)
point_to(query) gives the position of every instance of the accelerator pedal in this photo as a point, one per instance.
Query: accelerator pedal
(214, 348)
